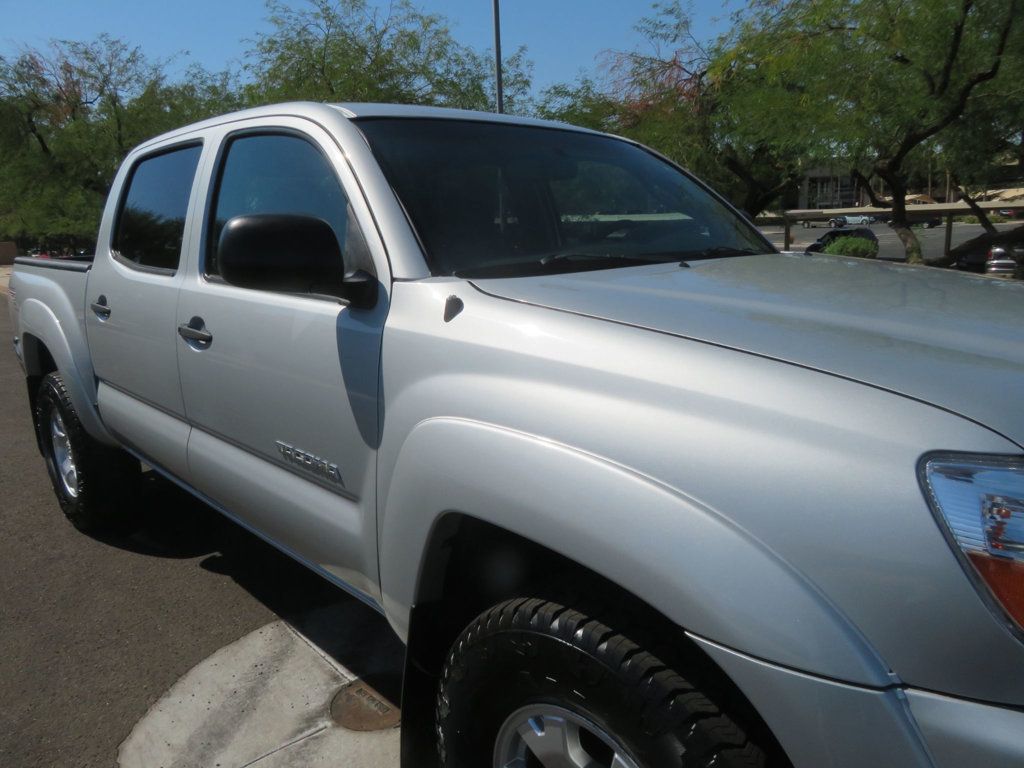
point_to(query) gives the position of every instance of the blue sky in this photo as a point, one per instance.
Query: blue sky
(563, 37)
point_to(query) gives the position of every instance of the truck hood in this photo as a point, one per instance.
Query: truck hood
(949, 339)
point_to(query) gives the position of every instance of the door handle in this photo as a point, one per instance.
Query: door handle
(195, 331)
(100, 307)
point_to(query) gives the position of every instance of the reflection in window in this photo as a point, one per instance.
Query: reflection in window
(276, 174)
(487, 195)
(151, 223)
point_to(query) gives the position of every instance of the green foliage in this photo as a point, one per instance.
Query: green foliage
(879, 80)
(993, 218)
(720, 125)
(859, 247)
(71, 112)
(901, 91)
(583, 103)
(69, 115)
(349, 50)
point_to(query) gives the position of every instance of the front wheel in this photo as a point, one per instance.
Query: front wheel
(532, 683)
(94, 484)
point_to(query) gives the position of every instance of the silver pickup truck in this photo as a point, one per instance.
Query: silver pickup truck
(635, 489)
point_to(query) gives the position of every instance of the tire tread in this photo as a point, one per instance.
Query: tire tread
(666, 700)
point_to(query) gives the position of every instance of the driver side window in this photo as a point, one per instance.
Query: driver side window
(282, 173)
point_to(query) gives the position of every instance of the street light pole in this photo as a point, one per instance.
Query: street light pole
(497, 57)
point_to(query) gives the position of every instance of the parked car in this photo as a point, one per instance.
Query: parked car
(973, 260)
(823, 242)
(974, 255)
(851, 219)
(1004, 260)
(634, 488)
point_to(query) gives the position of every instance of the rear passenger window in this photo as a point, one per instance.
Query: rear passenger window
(282, 173)
(151, 222)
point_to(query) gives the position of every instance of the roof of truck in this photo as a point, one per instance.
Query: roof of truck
(368, 109)
(313, 110)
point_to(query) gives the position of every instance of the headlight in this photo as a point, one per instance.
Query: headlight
(979, 503)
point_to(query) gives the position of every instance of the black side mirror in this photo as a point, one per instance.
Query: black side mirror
(292, 254)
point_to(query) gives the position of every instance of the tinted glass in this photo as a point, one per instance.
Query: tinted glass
(277, 174)
(151, 223)
(492, 199)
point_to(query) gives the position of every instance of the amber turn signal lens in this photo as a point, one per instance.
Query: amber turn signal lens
(1006, 580)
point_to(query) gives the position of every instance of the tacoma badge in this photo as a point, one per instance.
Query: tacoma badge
(309, 462)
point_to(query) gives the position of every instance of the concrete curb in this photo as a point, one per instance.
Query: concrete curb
(264, 700)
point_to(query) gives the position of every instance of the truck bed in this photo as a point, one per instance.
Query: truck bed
(58, 284)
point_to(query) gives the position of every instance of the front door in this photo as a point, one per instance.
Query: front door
(282, 390)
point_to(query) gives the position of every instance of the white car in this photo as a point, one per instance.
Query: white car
(848, 220)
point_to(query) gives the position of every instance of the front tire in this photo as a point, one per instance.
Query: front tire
(94, 483)
(534, 683)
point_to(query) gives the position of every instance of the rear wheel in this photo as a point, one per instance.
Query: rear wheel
(94, 483)
(535, 684)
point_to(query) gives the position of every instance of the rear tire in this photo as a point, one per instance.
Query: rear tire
(528, 669)
(94, 484)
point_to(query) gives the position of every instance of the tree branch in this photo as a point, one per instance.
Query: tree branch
(914, 138)
(34, 130)
(954, 47)
(865, 182)
(975, 208)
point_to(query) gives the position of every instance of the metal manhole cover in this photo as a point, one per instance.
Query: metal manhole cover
(359, 707)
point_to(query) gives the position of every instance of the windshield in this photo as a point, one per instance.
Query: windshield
(491, 199)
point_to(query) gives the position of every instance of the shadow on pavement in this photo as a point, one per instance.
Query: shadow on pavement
(173, 524)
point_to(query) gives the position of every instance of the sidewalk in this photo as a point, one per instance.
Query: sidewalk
(269, 700)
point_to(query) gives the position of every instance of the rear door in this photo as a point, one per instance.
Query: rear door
(132, 296)
(283, 396)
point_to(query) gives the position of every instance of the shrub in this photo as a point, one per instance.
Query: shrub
(993, 217)
(853, 246)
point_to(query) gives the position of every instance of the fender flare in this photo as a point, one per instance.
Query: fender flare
(40, 325)
(726, 585)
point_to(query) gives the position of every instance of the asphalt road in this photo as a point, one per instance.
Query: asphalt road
(93, 630)
(889, 246)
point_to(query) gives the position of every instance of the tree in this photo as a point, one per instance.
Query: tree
(348, 50)
(69, 114)
(886, 77)
(685, 99)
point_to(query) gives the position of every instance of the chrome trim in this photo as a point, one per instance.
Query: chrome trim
(309, 462)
